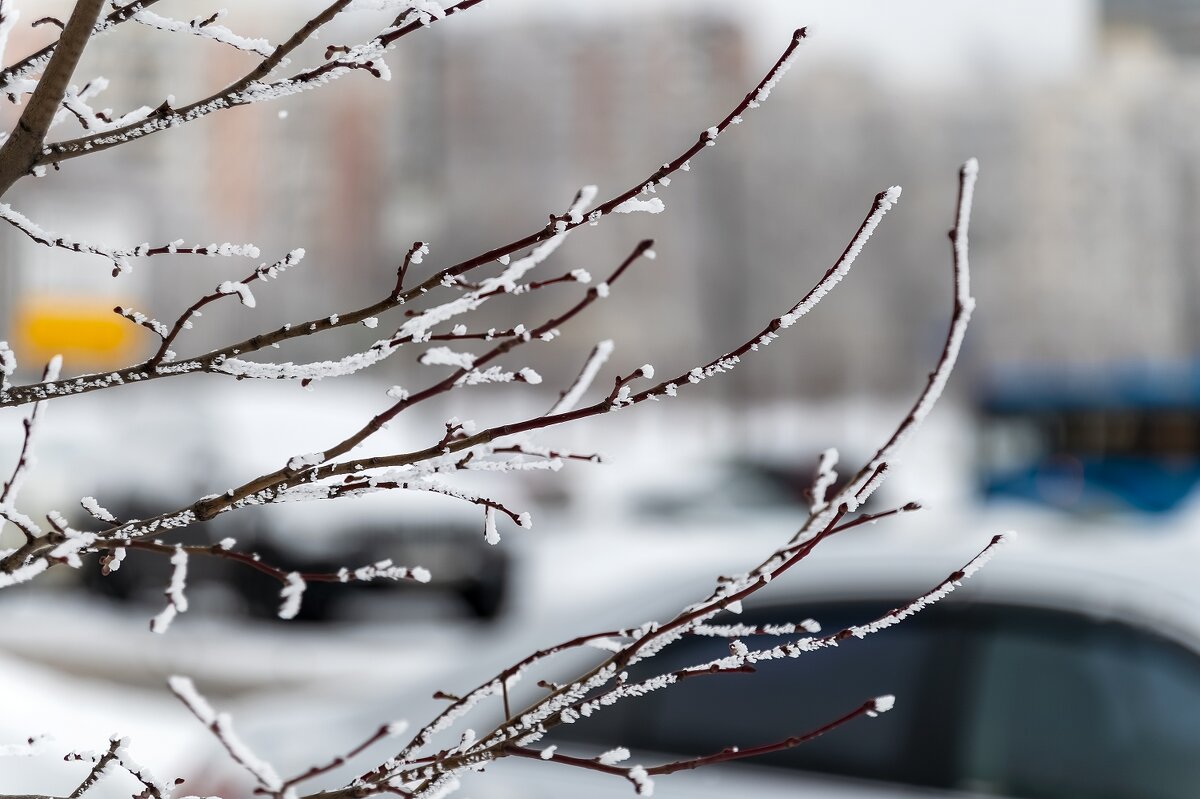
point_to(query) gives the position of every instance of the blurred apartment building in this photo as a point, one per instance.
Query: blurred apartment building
(1085, 237)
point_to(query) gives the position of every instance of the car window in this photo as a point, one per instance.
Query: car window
(919, 661)
(1066, 706)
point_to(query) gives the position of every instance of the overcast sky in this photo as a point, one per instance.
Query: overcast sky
(924, 41)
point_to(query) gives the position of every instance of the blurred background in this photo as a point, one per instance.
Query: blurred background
(1073, 414)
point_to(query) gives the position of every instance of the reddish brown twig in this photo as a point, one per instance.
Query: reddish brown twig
(869, 708)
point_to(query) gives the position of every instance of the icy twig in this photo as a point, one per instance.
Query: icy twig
(253, 87)
(211, 361)
(566, 703)
(30, 64)
(221, 727)
(384, 732)
(120, 257)
(570, 397)
(640, 775)
(865, 481)
(176, 598)
(205, 28)
(826, 477)
(26, 459)
(262, 272)
(380, 570)
(666, 388)
(270, 482)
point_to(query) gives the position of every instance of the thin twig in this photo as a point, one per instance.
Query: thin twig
(870, 707)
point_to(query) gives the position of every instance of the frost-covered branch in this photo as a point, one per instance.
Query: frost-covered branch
(279, 484)
(571, 396)
(239, 288)
(602, 685)
(291, 583)
(176, 599)
(221, 727)
(826, 477)
(25, 459)
(640, 775)
(32, 63)
(253, 88)
(21, 150)
(206, 29)
(99, 766)
(622, 396)
(119, 256)
(578, 700)
(436, 313)
(384, 732)
(212, 361)
(418, 774)
(867, 479)
(116, 756)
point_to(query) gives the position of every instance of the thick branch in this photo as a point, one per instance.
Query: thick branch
(33, 61)
(23, 148)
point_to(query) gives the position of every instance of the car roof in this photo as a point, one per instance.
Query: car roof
(1149, 582)
(1148, 577)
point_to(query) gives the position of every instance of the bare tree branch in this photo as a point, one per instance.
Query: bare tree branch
(461, 447)
(21, 151)
(558, 226)
(250, 88)
(34, 61)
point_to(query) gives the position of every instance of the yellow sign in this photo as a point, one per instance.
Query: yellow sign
(85, 331)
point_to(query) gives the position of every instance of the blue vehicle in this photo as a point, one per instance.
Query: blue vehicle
(1123, 438)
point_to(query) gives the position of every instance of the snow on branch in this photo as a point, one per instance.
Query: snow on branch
(26, 458)
(31, 746)
(176, 599)
(75, 103)
(253, 87)
(641, 776)
(21, 148)
(332, 474)
(868, 478)
(574, 702)
(222, 360)
(621, 396)
(119, 256)
(291, 583)
(22, 70)
(826, 477)
(221, 727)
(419, 327)
(117, 755)
(264, 487)
(587, 375)
(205, 28)
(291, 595)
(577, 700)
(742, 656)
